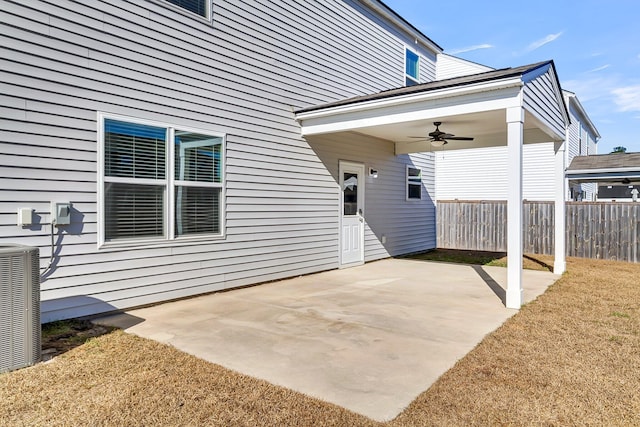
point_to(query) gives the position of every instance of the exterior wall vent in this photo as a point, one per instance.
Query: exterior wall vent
(20, 332)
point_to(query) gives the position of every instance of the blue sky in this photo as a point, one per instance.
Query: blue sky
(595, 45)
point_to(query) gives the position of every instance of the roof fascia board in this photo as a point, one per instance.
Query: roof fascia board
(427, 109)
(389, 15)
(412, 98)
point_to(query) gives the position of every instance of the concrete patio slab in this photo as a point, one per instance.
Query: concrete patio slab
(368, 338)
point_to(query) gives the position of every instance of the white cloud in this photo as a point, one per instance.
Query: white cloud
(543, 41)
(598, 87)
(470, 48)
(627, 98)
(595, 70)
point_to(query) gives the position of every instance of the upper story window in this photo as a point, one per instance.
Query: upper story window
(412, 68)
(414, 183)
(159, 182)
(198, 7)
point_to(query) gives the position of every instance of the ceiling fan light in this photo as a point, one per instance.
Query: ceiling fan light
(438, 143)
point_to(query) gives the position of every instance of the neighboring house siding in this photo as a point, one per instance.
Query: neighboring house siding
(537, 96)
(581, 143)
(481, 173)
(448, 67)
(241, 75)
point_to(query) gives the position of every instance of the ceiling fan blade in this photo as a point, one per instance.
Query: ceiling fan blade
(446, 135)
(459, 138)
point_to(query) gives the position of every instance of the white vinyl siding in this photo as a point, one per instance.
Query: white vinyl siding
(448, 67)
(539, 97)
(406, 227)
(481, 173)
(239, 75)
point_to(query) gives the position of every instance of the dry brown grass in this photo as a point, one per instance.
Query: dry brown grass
(123, 380)
(570, 358)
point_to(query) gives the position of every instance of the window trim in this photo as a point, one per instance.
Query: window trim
(409, 182)
(170, 183)
(416, 79)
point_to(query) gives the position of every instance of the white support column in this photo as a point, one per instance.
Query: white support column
(515, 139)
(559, 264)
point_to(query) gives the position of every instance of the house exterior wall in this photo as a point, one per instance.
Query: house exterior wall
(241, 75)
(407, 225)
(448, 67)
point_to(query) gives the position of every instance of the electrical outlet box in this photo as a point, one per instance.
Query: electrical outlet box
(61, 213)
(25, 216)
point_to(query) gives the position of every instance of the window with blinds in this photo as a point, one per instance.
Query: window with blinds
(145, 196)
(198, 7)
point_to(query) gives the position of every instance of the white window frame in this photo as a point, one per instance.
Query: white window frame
(410, 181)
(187, 12)
(416, 79)
(170, 183)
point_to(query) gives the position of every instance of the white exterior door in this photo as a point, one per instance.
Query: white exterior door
(351, 214)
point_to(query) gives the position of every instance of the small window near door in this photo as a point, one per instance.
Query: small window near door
(412, 68)
(414, 183)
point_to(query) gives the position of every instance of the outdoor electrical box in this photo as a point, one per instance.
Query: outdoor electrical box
(25, 216)
(61, 213)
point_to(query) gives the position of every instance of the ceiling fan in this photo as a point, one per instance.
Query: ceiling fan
(439, 138)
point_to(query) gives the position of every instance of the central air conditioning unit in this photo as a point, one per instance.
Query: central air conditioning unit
(20, 331)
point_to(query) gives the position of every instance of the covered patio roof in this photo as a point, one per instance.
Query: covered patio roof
(511, 106)
(470, 105)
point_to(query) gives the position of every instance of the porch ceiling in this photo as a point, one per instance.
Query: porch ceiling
(488, 128)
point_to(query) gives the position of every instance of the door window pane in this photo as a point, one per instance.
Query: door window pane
(350, 193)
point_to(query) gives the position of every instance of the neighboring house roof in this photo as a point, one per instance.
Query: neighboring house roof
(615, 167)
(435, 85)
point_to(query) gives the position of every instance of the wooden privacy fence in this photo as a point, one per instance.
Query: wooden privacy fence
(593, 229)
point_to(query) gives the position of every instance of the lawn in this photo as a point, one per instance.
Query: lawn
(572, 357)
